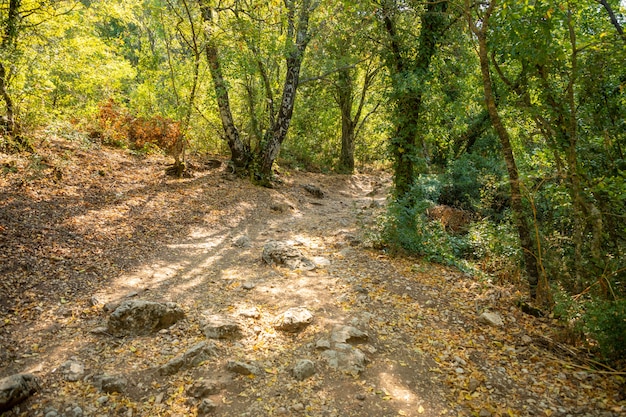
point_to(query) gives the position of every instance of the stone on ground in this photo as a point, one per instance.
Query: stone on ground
(242, 368)
(197, 354)
(345, 358)
(283, 253)
(72, 370)
(491, 319)
(348, 334)
(16, 388)
(111, 383)
(303, 369)
(140, 317)
(220, 327)
(293, 320)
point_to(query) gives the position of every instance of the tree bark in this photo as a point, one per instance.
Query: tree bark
(9, 37)
(345, 99)
(240, 151)
(296, 43)
(523, 229)
(407, 150)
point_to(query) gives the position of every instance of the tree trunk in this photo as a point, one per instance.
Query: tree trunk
(405, 146)
(270, 145)
(521, 221)
(345, 100)
(240, 151)
(9, 38)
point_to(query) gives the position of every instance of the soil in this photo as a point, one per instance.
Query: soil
(83, 225)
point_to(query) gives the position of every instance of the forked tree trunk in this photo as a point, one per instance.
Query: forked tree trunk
(298, 38)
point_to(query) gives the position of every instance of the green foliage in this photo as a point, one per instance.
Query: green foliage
(605, 321)
(406, 228)
(495, 247)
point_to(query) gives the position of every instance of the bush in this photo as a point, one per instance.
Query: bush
(605, 321)
(406, 228)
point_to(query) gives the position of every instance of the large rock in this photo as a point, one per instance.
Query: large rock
(283, 253)
(197, 354)
(72, 370)
(110, 383)
(303, 369)
(345, 358)
(491, 319)
(220, 327)
(348, 334)
(16, 388)
(293, 320)
(243, 368)
(140, 317)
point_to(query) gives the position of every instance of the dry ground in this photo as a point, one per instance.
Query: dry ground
(82, 225)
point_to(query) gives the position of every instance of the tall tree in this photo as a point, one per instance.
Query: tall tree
(480, 29)
(298, 37)
(409, 71)
(240, 151)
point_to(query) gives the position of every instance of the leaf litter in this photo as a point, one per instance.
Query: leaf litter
(82, 226)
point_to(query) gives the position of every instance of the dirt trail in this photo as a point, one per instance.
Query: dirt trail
(198, 243)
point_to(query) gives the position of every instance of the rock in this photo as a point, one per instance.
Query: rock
(204, 388)
(293, 320)
(297, 407)
(16, 388)
(111, 383)
(251, 313)
(322, 344)
(360, 396)
(206, 407)
(248, 285)
(491, 319)
(72, 370)
(473, 385)
(100, 330)
(303, 369)
(281, 207)
(197, 354)
(345, 358)
(283, 253)
(220, 327)
(348, 334)
(321, 262)
(242, 368)
(242, 242)
(313, 190)
(140, 317)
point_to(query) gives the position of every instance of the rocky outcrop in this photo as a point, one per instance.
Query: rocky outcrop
(284, 253)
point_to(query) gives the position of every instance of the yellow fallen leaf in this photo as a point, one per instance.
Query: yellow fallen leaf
(420, 409)
(402, 413)
(387, 397)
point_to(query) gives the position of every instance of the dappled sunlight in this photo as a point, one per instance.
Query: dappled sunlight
(399, 393)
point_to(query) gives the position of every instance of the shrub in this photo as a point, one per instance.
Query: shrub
(605, 321)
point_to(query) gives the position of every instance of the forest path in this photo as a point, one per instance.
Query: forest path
(111, 227)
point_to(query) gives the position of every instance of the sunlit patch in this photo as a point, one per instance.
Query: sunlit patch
(397, 390)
